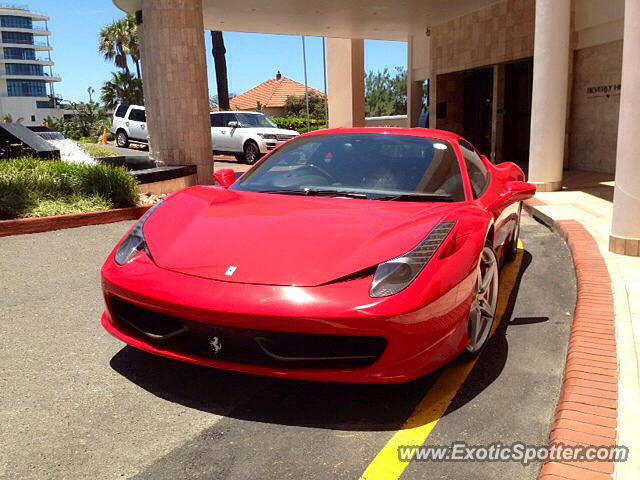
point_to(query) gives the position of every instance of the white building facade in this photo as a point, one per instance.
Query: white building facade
(27, 93)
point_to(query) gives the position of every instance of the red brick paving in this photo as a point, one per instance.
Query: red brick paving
(588, 409)
(22, 226)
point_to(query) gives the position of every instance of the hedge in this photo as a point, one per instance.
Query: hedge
(295, 123)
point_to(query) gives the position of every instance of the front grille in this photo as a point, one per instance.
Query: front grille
(284, 137)
(249, 346)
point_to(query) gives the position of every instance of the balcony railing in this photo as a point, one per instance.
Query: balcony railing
(53, 76)
(37, 59)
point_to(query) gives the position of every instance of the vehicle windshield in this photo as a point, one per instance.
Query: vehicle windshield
(372, 166)
(255, 120)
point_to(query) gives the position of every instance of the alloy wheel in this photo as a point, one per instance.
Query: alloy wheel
(251, 153)
(483, 308)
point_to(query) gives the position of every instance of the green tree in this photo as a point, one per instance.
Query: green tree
(122, 88)
(214, 104)
(133, 42)
(118, 41)
(385, 93)
(296, 107)
(86, 120)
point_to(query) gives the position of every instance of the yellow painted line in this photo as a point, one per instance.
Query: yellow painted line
(418, 427)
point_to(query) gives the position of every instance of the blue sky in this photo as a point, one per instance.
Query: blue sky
(251, 58)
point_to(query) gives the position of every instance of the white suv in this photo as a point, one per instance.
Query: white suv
(246, 135)
(130, 125)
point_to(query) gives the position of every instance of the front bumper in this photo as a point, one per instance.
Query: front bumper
(414, 341)
(266, 145)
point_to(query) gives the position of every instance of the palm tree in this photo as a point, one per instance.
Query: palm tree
(118, 41)
(133, 44)
(90, 91)
(220, 62)
(114, 39)
(122, 88)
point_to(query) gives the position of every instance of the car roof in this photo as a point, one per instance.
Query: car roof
(130, 105)
(411, 132)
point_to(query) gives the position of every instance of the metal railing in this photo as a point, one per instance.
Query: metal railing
(37, 59)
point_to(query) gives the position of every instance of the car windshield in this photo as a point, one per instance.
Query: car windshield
(255, 120)
(372, 166)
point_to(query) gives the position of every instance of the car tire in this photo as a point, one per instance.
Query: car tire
(512, 253)
(251, 152)
(239, 157)
(122, 139)
(482, 315)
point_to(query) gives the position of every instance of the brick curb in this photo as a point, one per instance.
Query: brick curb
(44, 224)
(587, 413)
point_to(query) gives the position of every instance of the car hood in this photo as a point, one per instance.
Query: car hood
(275, 239)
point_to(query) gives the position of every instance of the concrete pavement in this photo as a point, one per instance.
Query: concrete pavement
(76, 403)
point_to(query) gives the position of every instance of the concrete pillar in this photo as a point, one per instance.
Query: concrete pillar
(497, 114)
(414, 101)
(175, 84)
(625, 229)
(415, 91)
(433, 100)
(345, 72)
(549, 103)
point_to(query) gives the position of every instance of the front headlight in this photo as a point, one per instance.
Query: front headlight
(395, 275)
(135, 241)
(268, 136)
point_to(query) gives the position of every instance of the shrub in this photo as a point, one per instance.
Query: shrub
(310, 129)
(96, 151)
(32, 187)
(86, 120)
(293, 123)
(296, 106)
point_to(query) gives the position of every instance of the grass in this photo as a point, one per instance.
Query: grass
(31, 187)
(97, 151)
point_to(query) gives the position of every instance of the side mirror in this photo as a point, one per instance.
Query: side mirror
(515, 191)
(233, 124)
(225, 177)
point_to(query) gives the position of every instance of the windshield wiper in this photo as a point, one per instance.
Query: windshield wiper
(316, 192)
(416, 197)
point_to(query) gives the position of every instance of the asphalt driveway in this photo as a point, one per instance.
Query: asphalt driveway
(76, 403)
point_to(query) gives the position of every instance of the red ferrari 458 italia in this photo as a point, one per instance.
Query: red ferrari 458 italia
(351, 255)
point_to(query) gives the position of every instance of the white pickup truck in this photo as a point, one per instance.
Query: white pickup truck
(246, 135)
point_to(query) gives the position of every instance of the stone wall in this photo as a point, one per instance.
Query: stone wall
(499, 33)
(595, 107)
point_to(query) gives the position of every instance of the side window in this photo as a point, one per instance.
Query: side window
(478, 174)
(228, 117)
(122, 110)
(137, 115)
(216, 119)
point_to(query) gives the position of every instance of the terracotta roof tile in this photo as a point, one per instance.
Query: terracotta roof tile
(272, 93)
